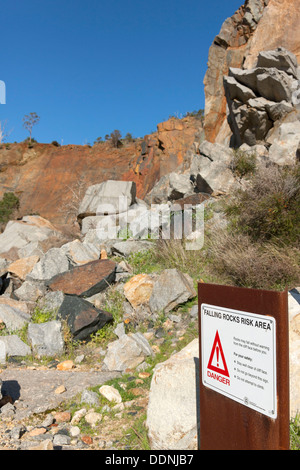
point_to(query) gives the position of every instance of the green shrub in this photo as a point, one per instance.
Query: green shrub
(8, 205)
(268, 210)
(243, 164)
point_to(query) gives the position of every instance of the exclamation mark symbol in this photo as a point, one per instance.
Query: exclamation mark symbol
(218, 351)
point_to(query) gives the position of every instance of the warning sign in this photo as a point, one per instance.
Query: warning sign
(217, 357)
(239, 357)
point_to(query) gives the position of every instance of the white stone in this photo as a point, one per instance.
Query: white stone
(173, 404)
(110, 393)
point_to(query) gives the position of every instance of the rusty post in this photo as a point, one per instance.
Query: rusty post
(224, 423)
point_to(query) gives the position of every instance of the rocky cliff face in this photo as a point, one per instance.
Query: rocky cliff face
(258, 25)
(50, 180)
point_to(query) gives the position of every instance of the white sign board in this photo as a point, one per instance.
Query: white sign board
(238, 352)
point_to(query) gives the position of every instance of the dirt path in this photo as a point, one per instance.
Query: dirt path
(33, 391)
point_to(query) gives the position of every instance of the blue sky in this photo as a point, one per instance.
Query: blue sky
(90, 67)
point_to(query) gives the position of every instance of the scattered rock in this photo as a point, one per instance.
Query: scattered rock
(14, 346)
(47, 444)
(78, 415)
(93, 418)
(46, 338)
(23, 266)
(284, 143)
(138, 290)
(110, 393)
(125, 353)
(119, 330)
(211, 169)
(18, 305)
(30, 291)
(8, 410)
(62, 417)
(59, 390)
(13, 318)
(87, 440)
(61, 440)
(90, 398)
(258, 98)
(281, 59)
(171, 289)
(54, 262)
(65, 365)
(80, 253)
(37, 432)
(3, 352)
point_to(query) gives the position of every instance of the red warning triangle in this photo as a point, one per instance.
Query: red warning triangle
(218, 351)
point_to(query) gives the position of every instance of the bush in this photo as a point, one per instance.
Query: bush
(8, 205)
(243, 163)
(269, 209)
(55, 143)
(128, 137)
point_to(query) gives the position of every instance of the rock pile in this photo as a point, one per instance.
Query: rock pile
(71, 280)
(263, 97)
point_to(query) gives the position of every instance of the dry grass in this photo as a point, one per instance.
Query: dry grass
(172, 254)
(240, 261)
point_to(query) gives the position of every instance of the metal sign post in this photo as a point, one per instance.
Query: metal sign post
(244, 368)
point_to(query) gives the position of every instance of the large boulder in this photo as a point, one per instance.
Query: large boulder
(82, 317)
(110, 197)
(173, 410)
(86, 280)
(272, 83)
(211, 169)
(285, 142)
(281, 59)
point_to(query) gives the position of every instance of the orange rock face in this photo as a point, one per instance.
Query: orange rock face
(257, 26)
(279, 26)
(51, 181)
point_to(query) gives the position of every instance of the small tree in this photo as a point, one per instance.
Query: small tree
(30, 120)
(116, 138)
(128, 137)
(3, 131)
